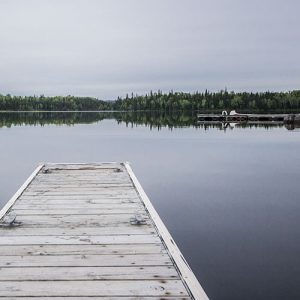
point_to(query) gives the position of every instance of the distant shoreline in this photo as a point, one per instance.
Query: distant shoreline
(278, 111)
(159, 102)
(56, 111)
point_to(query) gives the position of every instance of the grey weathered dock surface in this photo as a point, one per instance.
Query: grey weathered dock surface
(77, 240)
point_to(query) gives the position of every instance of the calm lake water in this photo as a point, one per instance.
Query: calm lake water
(230, 197)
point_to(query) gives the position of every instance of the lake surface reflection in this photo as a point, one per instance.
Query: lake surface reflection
(229, 194)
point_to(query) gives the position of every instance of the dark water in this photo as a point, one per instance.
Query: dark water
(230, 197)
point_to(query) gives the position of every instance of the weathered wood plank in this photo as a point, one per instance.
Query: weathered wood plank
(123, 249)
(80, 212)
(54, 231)
(97, 178)
(74, 184)
(78, 220)
(84, 168)
(83, 175)
(84, 187)
(75, 202)
(60, 204)
(106, 189)
(79, 240)
(88, 273)
(81, 191)
(79, 182)
(105, 192)
(93, 288)
(70, 205)
(85, 260)
(72, 198)
(100, 172)
(105, 176)
(61, 167)
(98, 166)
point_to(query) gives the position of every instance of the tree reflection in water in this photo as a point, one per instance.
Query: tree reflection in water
(152, 120)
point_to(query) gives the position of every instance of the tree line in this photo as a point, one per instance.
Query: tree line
(161, 102)
(207, 101)
(57, 103)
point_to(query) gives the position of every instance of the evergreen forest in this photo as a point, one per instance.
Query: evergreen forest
(161, 102)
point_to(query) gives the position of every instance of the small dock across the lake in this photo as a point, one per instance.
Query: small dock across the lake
(88, 231)
(249, 118)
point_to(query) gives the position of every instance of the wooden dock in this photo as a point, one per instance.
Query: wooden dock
(88, 231)
(249, 118)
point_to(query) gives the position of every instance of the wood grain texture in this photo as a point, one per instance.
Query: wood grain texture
(80, 211)
(54, 250)
(93, 288)
(49, 205)
(78, 220)
(79, 240)
(74, 231)
(85, 260)
(88, 273)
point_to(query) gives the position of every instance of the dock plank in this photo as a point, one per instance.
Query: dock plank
(73, 231)
(77, 199)
(48, 205)
(93, 288)
(79, 240)
(85, 260)
(81, 193)
(78, 220)
(53, 250)
(88, 273)
(81, 211)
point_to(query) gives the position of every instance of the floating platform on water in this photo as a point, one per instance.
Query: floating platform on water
(89, 231)
(254, 118)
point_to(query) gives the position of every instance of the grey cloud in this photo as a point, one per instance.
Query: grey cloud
(110, 48)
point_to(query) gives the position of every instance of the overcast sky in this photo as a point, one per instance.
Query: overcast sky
(109, 48)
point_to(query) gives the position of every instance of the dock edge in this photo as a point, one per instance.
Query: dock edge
(19, 192)
(187, 275)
